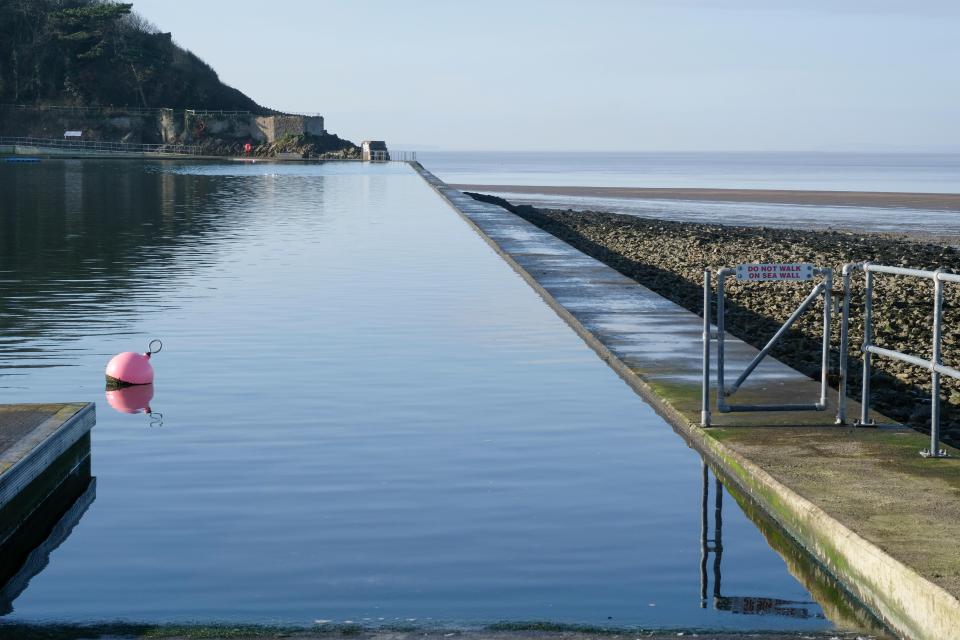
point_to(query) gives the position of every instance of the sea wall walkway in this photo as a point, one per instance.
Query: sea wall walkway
(876, 515)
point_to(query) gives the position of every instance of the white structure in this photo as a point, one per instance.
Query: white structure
(374, 151)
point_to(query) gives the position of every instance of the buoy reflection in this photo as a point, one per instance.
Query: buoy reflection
(135, 399)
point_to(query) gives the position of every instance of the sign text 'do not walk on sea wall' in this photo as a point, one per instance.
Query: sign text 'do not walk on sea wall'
(778, 272)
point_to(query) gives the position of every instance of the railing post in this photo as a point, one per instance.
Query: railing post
(705, 393)
(721, 398)
(825, 352)
(867, 341)
(935, 451)
(844, 346)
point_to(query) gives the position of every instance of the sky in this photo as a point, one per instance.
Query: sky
(594, 75)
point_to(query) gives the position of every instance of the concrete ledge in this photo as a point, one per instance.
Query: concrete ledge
(54, 430)
(860, 501)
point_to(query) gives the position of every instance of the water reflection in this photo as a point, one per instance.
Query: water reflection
(41, 518)
(102, 242)
(748, 605)
(831, 600)
(134, 399)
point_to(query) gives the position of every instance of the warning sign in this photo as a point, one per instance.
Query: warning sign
(779, 272)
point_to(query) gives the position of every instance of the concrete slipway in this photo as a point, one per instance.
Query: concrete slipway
(32, 436)
(862, 502)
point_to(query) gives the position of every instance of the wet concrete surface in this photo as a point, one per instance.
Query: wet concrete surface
(18, 420)
(25, 427)
(862, 501)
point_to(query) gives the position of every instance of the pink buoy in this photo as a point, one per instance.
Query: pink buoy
(129, 368)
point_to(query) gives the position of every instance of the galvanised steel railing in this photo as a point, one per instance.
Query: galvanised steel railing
(133, 111)
(94, 145)
(403, 156)
(391, 156)
(934, 364)
(122, 111)
(209, 112)
(824, 288)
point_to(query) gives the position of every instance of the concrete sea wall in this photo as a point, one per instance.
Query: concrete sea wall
(861, 502)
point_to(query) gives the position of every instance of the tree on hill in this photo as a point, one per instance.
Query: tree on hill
(100, 53)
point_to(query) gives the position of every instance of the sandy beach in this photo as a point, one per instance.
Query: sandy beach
(930, 201)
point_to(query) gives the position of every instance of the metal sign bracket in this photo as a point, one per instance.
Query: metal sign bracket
(763, 273)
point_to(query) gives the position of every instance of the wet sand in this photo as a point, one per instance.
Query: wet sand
(932, 201)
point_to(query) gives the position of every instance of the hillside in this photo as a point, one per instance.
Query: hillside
(97, 67)
(100, 53)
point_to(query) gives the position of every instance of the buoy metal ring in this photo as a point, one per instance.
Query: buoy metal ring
(159, 348)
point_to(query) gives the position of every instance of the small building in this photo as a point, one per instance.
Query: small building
(374, 151)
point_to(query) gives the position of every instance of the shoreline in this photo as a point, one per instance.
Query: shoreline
(890, 200)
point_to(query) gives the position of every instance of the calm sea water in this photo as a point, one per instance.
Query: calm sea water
(361, 414)
(888, 172)
(920, 173)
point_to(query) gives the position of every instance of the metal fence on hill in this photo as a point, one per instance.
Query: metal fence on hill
(98, 146)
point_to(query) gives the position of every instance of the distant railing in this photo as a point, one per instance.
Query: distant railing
(121, 111)
(403, 156)
(132, 111)
(202, 112)
(380, 155)
(94, 145)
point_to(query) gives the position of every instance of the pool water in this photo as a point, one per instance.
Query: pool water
(361, 414)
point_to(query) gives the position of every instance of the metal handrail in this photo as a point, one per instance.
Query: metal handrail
(139, 111)
(824, 288)
(934, 364)
(216, 112)
(96, 145)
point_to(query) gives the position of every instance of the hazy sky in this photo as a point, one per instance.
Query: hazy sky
(641, 75)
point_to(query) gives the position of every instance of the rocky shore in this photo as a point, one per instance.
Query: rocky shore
(670, 257)
(326, 147)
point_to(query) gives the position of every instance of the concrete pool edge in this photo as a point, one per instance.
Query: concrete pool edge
(52, 433)
(902, 596)
(519, 631)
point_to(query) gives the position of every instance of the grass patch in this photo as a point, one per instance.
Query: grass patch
(555, 627)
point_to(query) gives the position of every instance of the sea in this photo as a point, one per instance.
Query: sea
(877, 172)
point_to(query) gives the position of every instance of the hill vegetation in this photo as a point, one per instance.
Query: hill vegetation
(101, 53)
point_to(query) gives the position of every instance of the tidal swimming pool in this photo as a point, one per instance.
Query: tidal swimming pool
(361, 415)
